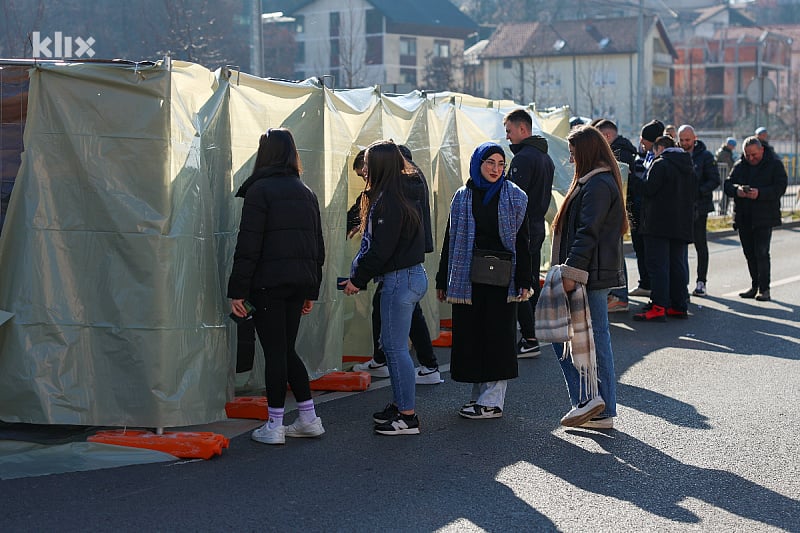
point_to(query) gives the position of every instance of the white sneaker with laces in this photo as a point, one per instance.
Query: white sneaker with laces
(583, 412)
(700, 290)
(265, 435)
(428, 376)
(376, 370)
(310, 429)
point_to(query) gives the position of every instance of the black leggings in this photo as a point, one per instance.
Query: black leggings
(277, 319)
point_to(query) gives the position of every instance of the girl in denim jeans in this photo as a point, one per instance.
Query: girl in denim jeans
(392, 251)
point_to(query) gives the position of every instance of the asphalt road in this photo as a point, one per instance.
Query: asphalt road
(706, 439)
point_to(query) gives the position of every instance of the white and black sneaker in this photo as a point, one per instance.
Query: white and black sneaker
(428, 376)
(399, 425)
(376, 370)
(528, 348)
(476, 411)
(388, 413)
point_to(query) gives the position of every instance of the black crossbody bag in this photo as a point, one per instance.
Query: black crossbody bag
(491, 267)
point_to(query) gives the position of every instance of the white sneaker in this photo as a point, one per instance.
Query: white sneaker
(583, 412)
(266, 435)
(700, 290)
(428, 376)
(599, 423)
(376, 370)
(310, 429)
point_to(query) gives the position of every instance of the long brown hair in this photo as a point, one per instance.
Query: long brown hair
(590, 151)
(277, 148)
(386, 171)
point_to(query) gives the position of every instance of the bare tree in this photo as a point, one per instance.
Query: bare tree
(18, 18)
(444, 73)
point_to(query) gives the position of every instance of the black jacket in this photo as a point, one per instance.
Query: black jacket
(397, 242)
(532, 171)
(280, 235)
(625, 152)
(591, 239)
(705, 167)
(669, 197)
(769, 177)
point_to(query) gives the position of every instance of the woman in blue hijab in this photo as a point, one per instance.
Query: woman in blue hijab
(486, 214)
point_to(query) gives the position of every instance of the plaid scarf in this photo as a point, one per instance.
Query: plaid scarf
(510, 214)
(562, 317)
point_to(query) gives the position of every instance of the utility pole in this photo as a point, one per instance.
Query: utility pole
(256, 41)
(639, 119)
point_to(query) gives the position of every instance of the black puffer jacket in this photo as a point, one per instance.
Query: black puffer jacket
(280, 235)
(769, 177)
(532, 170)
(669, 196)
(705, 167)
(591, 239)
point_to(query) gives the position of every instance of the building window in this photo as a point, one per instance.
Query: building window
(507, 93)
(409, 76)
(441, 48)
(604, 78)
(408, 51)
(301, 52)
(374, 50)
(334, 23)
(374, 21)
(507, 64)
(408, 46)
(335, 54)
(300, 23)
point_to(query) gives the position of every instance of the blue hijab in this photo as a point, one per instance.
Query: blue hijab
(480, 154)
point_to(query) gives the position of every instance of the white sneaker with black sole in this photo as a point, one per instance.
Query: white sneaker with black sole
(376, 370)
(399, 425)
(428, 376)
(528, 348)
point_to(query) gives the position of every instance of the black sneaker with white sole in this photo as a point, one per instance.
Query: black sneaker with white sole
(476, 411)
(399, 425)
(528, 348)
(388, 413)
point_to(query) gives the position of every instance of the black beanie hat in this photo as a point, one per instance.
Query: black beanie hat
(652, 130)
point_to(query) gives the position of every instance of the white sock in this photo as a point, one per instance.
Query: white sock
(307, 411)
(275, 417)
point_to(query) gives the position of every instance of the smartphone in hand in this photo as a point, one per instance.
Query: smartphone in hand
(249, 316)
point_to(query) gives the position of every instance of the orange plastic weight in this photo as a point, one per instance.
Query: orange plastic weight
(342, 381)
(183, 444)
(446, 323)
(445, 339)
(248, 407)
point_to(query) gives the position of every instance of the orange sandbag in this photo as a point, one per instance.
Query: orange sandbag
(248, 407)
(183, 444)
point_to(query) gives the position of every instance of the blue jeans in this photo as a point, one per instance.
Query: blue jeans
(622, 292)
(598, 307)
(401, 291)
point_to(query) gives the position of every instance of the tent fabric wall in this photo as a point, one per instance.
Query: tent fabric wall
(121, 230)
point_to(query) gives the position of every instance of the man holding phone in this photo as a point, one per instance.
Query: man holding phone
(756, 184)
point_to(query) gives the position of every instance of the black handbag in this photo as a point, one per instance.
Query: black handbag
(491, 267)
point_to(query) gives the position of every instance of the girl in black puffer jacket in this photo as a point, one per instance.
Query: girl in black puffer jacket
(277, 266)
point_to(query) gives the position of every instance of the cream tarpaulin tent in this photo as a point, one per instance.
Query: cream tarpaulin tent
(122, 224)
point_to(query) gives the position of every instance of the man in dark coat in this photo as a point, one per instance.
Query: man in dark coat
(666, 224)
(650, 132)
(705, 167)
(532, 170)
(756, 184)
(725, 160)
(625, 153)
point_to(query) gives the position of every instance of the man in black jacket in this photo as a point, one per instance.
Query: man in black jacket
(625, 152)
(705, 168)
(756, 184)
(532, 170)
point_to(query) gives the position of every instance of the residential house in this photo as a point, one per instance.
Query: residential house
(401, 45)
(590, 65)
(720, 52)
